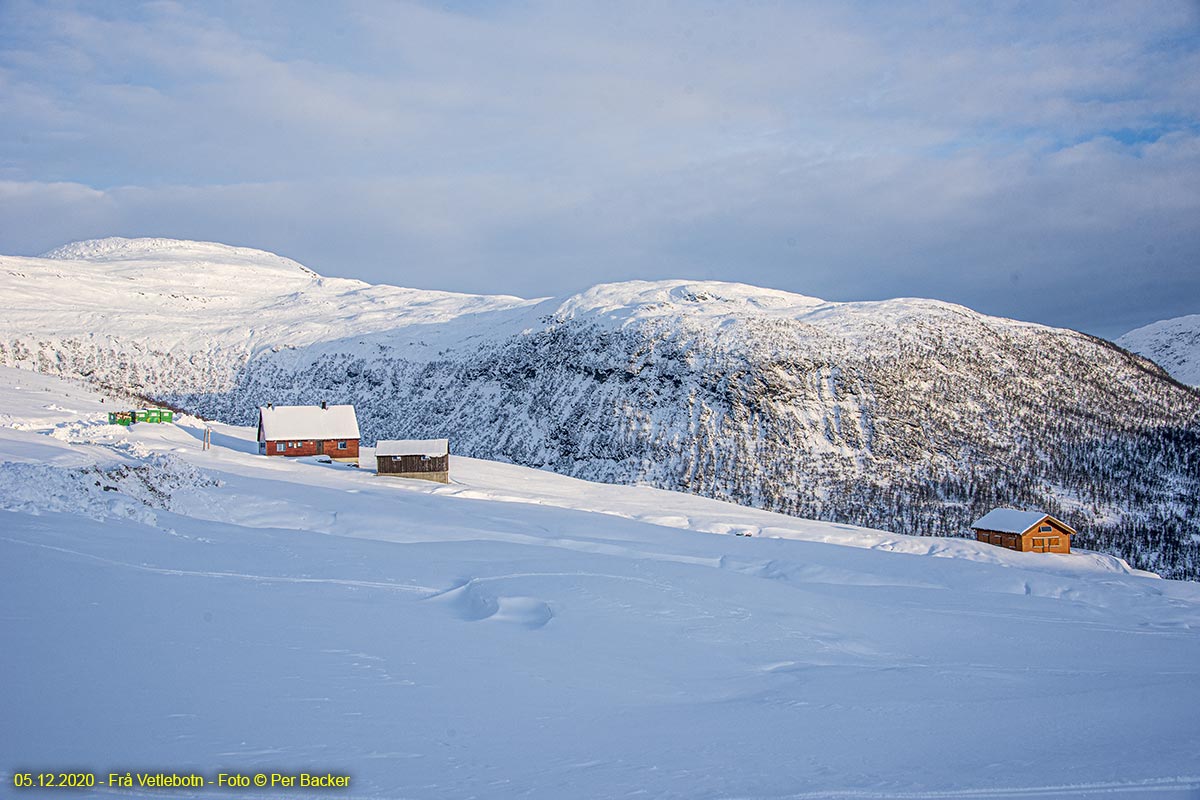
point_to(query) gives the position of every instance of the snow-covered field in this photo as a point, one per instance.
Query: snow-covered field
(523, 634)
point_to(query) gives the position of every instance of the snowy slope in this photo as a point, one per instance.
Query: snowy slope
(199, 297)
(1173, 343)
(523, 634)
(910, 415)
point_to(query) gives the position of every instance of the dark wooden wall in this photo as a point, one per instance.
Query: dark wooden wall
(398, 464)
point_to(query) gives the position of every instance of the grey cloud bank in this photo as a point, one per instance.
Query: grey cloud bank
(1042, 164)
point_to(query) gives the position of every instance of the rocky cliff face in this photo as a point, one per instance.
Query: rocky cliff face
(909, 415)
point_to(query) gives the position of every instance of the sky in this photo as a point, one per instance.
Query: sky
(1035, 160)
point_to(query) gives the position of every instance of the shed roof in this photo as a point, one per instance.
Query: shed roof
(1010, 520)
(278, 423)
(412, 447)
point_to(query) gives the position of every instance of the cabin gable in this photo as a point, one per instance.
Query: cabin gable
(1048, 536)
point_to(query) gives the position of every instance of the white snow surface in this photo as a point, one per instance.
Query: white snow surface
(1173, 343)
(1009, 520)
(522, 634)
(412, 447)
(308, 422)
(366, 458)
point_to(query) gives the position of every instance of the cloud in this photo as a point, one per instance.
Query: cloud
(1038, 162)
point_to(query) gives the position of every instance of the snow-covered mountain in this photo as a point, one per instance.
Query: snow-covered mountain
(520, 634)
(908, 415)
(1173, 343)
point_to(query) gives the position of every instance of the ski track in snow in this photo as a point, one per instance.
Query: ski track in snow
(235, 575)
(1155, 787)
(1182, 788)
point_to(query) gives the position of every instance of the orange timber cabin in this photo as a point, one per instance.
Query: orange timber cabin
(1028, 531)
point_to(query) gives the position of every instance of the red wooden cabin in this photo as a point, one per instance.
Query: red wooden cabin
(308, 431)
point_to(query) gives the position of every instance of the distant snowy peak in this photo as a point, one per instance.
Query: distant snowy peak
(716, 304)
(204, 297)
(1173, 343)
(642, 299)
(121, 247)
(167, 251)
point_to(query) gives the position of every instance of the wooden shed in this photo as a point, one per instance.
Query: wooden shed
(308, 431)
(1028, 531)
(427, 459)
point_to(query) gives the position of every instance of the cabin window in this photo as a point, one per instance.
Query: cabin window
(341, 445)
(1045, 529)
(424, 458)
(280, 447)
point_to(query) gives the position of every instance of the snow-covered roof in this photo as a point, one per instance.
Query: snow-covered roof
(1010, 520)
(307, 422)
(412, 447)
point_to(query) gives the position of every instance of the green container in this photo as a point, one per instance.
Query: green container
(120, 418)
(153, 415)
